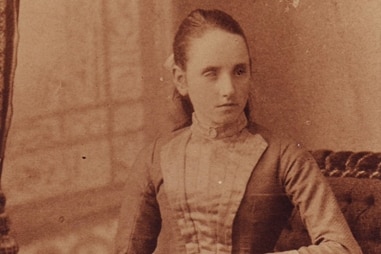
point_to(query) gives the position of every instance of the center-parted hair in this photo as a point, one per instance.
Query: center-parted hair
(195, 25)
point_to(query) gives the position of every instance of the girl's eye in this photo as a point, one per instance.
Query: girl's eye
(210, 74)
(240, 71)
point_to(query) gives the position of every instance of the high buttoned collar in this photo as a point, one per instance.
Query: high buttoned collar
(227, 130)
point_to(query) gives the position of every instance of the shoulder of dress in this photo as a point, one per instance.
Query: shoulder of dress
(278, 140)
(268, 135)
(162, 140)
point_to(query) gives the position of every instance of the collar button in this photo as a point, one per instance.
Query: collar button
(213, 133)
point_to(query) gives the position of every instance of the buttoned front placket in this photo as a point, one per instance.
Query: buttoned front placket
(189, 208)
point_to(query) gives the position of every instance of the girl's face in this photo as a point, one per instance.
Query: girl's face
(217, 77)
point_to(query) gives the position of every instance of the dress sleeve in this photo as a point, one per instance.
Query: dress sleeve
(139, 221)
(312, 196)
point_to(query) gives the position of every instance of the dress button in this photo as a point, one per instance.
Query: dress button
(212, 133)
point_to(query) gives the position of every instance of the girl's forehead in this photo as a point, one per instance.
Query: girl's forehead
(218, 47)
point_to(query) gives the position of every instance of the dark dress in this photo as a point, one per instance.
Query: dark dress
(226, 190)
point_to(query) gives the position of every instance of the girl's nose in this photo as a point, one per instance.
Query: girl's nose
(226, 86)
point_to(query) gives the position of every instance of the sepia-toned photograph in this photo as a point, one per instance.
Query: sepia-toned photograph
(190, 127)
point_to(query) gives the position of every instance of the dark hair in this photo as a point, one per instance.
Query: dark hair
(194, 26)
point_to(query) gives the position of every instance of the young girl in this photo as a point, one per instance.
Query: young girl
(223, 184)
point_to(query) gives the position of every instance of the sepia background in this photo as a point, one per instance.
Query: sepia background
(91, 90)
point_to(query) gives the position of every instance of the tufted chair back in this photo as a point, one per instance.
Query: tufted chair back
(356, 182)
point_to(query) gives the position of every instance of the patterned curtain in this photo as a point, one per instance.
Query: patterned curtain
(8, 48)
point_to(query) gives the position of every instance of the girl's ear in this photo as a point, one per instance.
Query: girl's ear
(180, 81)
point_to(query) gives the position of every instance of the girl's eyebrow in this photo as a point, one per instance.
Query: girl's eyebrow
(241, 65)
